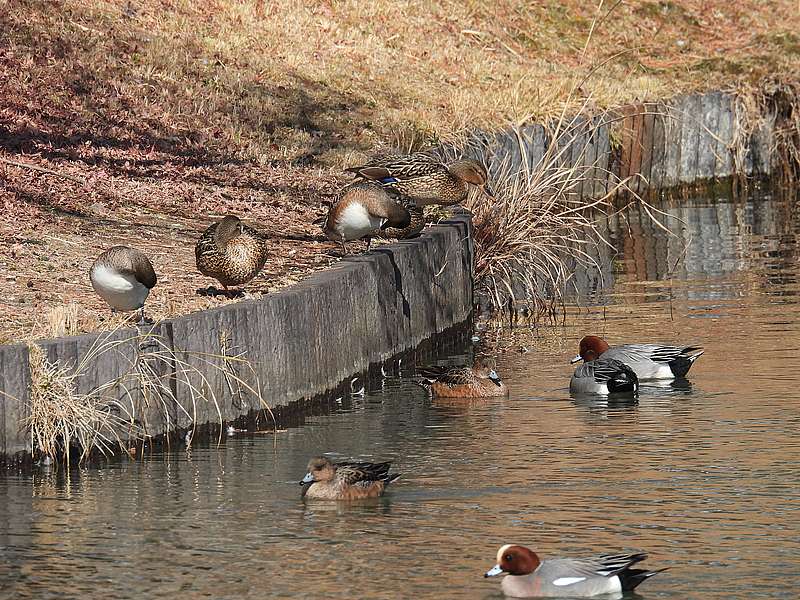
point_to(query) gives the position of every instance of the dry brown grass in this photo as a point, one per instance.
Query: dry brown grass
(115, 415)
(288, 78)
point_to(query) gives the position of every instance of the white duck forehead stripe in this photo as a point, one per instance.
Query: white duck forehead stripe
(568, 580)
(503, 551)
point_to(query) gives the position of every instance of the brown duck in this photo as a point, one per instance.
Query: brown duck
(424, 179)
(363, 211)
(327, 480)
(231, 252)
(480, 380)
(123, 277)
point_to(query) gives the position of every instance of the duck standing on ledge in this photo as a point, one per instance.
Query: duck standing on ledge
(123, 277)
(363, 211)
(425, 180)
(231, 252)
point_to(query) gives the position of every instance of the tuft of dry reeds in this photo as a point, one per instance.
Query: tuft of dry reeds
(538, 229)
(160, 384)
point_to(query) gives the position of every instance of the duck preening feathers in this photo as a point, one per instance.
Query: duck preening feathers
(123, 277)
(364, 210)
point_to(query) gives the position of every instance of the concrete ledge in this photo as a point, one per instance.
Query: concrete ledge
(298, 343)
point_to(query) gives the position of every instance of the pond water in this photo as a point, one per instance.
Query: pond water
(705, 477)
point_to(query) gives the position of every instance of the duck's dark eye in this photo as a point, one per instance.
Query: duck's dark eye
(508, 557)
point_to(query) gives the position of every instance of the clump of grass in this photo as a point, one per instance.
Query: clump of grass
(62, 420)
(535, 232)
(160, 382)
(769, 111)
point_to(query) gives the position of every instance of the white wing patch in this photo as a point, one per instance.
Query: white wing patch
(568, 580)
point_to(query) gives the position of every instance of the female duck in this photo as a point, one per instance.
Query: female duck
(327, 480)
(648, 361)
(424, 179)
(529, 577)
(364, 210)
(231, 252)
(480, 380)
(123, 277)
(604, 376)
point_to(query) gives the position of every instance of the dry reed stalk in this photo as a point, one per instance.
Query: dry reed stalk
(115, 413)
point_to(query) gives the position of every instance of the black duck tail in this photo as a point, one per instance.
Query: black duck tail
(630, 578)
(624, 381)
(680, 366)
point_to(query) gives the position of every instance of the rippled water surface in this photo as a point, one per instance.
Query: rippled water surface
(705, 477)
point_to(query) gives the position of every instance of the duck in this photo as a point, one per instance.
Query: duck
(478, 381)
(364, 209)
(424, 179)
(231, 252)
(327, 480)
(529, 577)
(123, 277)
(648, 361)
(604, 376)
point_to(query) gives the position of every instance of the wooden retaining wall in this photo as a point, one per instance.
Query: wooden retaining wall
(298, 342)
(654, 146)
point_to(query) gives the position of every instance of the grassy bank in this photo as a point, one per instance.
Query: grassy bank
(145, 120)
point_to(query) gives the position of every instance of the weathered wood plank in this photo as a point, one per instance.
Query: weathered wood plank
(723, 165)
(689, 110)
(14, 408)
(707, 141)
(658, 159)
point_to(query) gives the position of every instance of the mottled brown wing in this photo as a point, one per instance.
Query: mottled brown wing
(399, 167)
(355, 472)
(452, 376)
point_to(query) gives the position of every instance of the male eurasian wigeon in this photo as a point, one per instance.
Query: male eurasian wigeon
(604, 376)
(480, 380)
(648, 361)
(327, 480)
(529, 577)
(363, 210)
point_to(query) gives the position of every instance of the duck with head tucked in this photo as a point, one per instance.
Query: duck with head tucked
(480, 380)
(123, 277)
(231, 252)
(424, 179)
(412, 230)
(648, 361)
(529, 577)
(364, 210)
(328, 480)
(604, 376)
